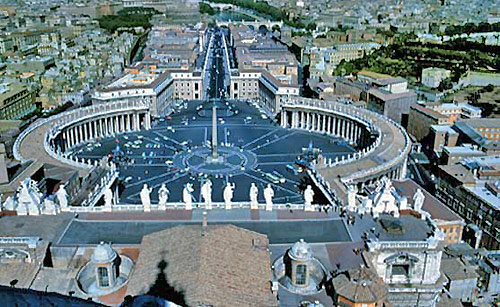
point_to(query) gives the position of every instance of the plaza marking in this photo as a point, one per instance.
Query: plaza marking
(153, 157)
(158, 142)
(150, 179)
(278, 155)
(272, 163)
(167, 138)
(274, 141)
(261, 137)
(277, 186)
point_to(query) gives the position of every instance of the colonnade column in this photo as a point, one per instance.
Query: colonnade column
(101, 134)
(72, 137)
(96, 134)
(294, 120)
(329, 125)
(127, 122)
(136, 119)
(336, 126)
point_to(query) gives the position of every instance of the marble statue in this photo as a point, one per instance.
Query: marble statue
(187, 197)
(206, 194)
(254, 192)
(145, 198)
(351, 198)
(228, 194)
(49, 207)
(163, 194)
(62, 196)
(385, 198)
(308, 198)
(29, 198)
(9, 204)
(268, 196)
(418, 200)
(108, 199)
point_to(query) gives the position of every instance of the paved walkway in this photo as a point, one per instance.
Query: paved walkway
(32, 148)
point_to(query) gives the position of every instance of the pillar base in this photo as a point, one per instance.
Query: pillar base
(212, 160)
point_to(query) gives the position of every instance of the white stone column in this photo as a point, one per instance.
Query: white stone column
(148, 120)
(105, 126)
(137, 123)
(344, 128)
(328, 124)
(403, 169)
(307, 120)
(323, 122)
(72, 136)
(66, 140)
(116, 120)
(85, 132)
(90, 133)
(109, 126)
(96, 134)
(101, 133)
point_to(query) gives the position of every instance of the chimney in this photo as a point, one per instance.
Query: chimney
(204, 224)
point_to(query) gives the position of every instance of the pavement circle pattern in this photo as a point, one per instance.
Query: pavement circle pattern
(235, 161)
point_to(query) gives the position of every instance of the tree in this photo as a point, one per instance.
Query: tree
(206, 9)
(445, 85)
(489, 88)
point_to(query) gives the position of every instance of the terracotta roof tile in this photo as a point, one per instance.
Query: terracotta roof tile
(224, 267)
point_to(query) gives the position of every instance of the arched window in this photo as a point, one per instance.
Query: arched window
(103, 277)
(300, 274)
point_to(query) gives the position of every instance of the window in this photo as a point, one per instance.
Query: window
(400, 269)
(300, 274)
(103, 277)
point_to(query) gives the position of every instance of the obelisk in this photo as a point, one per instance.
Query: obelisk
(215, 155)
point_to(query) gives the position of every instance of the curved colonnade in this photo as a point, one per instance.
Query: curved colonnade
(382, 145)
(98, 121)
(68, 129)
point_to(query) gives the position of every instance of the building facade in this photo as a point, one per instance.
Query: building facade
(16, 101)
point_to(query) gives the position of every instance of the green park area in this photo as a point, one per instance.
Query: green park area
(128, 18)
(487, 98)
(407, 58)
